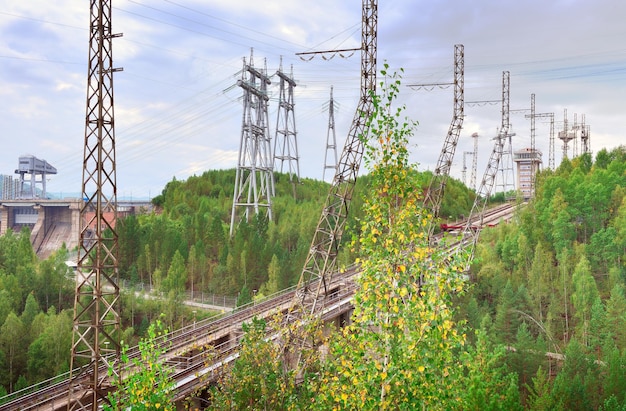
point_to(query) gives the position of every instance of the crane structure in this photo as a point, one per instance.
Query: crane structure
(507, 177)
(331, 139)
(254, 180)
(313, 285)
(285, 140)
(95, 344)
(434, 195)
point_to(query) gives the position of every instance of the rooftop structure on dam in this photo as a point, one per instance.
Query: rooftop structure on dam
(31, 182)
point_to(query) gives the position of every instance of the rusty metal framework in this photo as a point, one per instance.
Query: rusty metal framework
(95, 346)
(312, 288)
(254, 182)
(436, 189)
(285, 141)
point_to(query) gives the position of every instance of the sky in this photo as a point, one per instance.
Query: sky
(178, 110)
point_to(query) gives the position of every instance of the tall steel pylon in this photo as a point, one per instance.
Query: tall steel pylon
(434, 195)
(533, 115)
(254, 181)
(320, 263)
(331, 139)
(285, 140)
(585, 136)
(464, 169)
(472, 183)
(551, 147)
(566, 135)
(507, 177)
(95, 346)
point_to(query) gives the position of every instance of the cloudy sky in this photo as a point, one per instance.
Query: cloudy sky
(178, 111)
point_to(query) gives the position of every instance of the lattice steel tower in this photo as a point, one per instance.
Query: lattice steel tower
(507, 178)
(254, 182)
(331, 139)
(95, 346)
(472, 183)
(434, 195)
(320, 263)
(566, 135)
(285, 141)
(533, 116)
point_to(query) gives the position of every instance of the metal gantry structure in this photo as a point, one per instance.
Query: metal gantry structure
(320, 264)
(95, 346)
(434, 195)
(285, 140)
(331, 139)
(254, 181)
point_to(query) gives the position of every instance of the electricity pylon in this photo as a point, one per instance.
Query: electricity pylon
(434, 195)
(471, 230)
(320, 264)
(566, 135)
(472, 183)
(464, 170)
(95, 345)
(254, 181)
(285, 140)
(585, 135)
(532, 116)
(507, 177)
(331, 139)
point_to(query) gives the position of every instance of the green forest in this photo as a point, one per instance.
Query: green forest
(182, 247)
(538, 323)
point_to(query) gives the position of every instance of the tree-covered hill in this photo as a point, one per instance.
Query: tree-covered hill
(191, 229)
(554, 281)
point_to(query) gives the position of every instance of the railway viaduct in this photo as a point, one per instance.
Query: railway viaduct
(186, 348)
